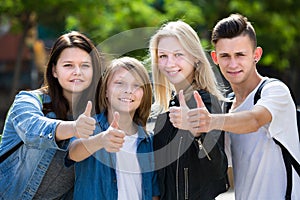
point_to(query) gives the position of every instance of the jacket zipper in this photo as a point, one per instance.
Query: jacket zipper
(186, 183)
(177, 168)
(201, 147)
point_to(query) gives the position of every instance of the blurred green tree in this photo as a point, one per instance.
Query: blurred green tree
(276, 23)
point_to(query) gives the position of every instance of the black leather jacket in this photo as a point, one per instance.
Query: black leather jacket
(188, 167)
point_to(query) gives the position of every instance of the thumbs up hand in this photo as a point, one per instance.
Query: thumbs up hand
(115, 122)
(178, 115)
(113, 138)
(199, 119)
(85, 125)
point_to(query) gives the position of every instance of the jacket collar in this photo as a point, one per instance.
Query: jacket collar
(103, 123)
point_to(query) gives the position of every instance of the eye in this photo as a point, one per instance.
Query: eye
(240, 54)
(137, 85)
(118, 82)
(178, 54)
(224, 56)
(162, 56)
(85, 65)
(68, 65)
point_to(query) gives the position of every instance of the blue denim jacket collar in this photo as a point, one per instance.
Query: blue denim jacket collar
(103, 123)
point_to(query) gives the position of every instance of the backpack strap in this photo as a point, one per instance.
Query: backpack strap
(288, 168)
(258, 91)
(11, 151)
(227, 105)
(289, 160)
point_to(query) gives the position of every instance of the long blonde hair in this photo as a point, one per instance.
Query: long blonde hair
(204, 77)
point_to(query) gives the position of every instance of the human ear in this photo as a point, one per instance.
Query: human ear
(54, 71)
(213, 55)
(257, 54)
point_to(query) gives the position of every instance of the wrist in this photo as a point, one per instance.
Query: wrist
(217, 123)
(74, 129)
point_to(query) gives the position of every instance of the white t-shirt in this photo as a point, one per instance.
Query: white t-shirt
(129, 178)
(258, 166)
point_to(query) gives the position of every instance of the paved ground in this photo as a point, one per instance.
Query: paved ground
(229, 195)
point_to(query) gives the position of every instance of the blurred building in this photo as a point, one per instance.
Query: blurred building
(29, 76)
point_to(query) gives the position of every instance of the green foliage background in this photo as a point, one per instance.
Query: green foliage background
(276, 22)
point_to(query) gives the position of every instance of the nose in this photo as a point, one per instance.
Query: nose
(233, 62)
(129, 89)
(77, 70)
(170, 61)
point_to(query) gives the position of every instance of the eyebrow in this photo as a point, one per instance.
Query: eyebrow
(71, 61)
(175, 51)
(235, 53)
(223, 54)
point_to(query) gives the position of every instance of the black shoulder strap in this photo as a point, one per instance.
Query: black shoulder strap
(289, 170)
(4, 156)
(227, 105)
(288, 159)
(258, 91)
(231, 95)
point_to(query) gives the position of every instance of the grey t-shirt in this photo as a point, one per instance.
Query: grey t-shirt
(58, 181)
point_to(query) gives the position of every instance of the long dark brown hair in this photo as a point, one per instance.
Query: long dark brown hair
(59, 104)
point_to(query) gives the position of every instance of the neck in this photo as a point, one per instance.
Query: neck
(71, 97)
(187, 90)
(243, 89)
(125, 122)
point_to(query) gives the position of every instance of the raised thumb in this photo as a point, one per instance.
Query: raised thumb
(88, 109)
(181, 99)
(115, 122)
(198, 99)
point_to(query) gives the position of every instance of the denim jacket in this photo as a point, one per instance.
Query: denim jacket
(22, 172)
(95, 177)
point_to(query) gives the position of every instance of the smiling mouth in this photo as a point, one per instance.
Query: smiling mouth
(126, 100)
(76, 81)
(171, 73)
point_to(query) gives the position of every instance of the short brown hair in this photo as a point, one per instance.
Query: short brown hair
(233, 26)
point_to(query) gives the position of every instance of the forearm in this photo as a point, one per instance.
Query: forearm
(239, 123)
(82, 148)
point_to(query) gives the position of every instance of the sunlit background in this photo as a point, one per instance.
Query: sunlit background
(28, 29)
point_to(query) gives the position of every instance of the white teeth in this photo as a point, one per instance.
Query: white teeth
(174, 72)
(126, 100)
